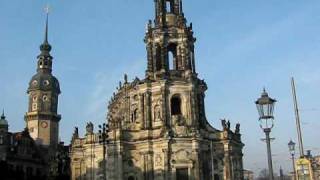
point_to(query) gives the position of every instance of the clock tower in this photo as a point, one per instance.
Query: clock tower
(42, 118)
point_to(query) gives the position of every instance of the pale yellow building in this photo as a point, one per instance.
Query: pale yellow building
(248, 175)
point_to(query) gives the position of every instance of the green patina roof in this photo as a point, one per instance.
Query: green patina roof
(45, 82)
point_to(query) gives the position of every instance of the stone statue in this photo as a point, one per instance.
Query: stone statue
(237, 131)
(89, 128)
(75, 133)
(224, 125)
(228, 125)
(125, 78)
(149, 26)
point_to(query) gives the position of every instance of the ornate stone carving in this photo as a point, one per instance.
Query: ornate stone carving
(237, 131)
(89, 128)
(157, 113)
(158, 160)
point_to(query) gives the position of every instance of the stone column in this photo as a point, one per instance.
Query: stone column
(143, 119)
(168, 160)
(164, 59)
(188, 106)
(148, 118)
(227, 173)
(183, 55)
(193, 60)
(194, 108)
(119, 161)
(164, 106)
(166, 164)
(202, 110)
(144, 166)
(150, 165)
(147, 170)
(212, 155)
(150, 59)
(155, 56)
(156, 11)
(232, 167)
(196, 159)
(241, 166)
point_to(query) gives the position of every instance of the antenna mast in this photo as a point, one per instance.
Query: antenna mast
(296, 110)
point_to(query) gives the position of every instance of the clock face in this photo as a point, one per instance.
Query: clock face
(46, 82)
(44, 124)
(45, 98)
(35, 82)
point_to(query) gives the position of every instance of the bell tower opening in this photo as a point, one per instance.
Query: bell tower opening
(172, 57)
(175, 105)
(169, 6)
(158, 58)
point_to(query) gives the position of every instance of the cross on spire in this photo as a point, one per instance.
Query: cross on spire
(47, 9)
(45, 46)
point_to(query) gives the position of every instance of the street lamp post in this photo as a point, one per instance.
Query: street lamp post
(291, 146)
(104, 140)
(265, 106)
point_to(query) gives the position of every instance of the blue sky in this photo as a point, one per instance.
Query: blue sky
(242, 46)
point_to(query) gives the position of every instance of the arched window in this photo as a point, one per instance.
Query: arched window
(169, 6)
(172, 57)
(134, 115)
(175, 105)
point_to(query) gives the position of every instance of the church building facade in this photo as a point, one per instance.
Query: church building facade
(157, 125)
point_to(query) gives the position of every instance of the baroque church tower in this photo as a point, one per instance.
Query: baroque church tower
(42, 118)
(170, 54)
(170, 43)
(157, 125)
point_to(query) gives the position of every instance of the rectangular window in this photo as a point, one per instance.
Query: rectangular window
(182, 174)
